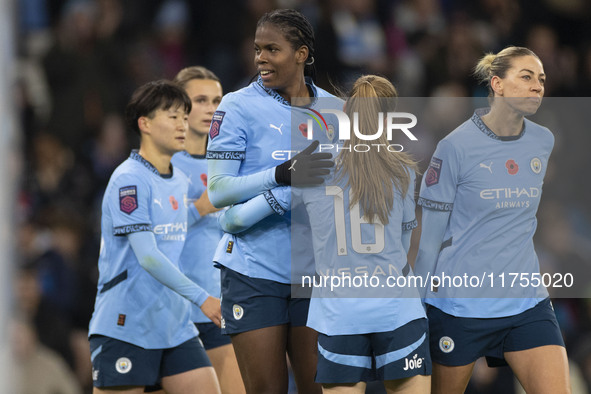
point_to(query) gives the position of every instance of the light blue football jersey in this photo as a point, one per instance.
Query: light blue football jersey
(131, 305)
(253, 125)
(345, 243)
(492, 186)
(196, 260)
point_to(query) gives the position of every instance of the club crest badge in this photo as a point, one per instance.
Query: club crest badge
(330, 132)
(446, 344)
(536, 165)
(237, 311)
(123, 365)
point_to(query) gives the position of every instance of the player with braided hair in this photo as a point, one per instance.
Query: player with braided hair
(248, 129)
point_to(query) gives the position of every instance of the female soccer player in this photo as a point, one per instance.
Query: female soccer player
(140, 332)
(364, 339)
(205, 91)
(250, 136)
(361, 223)
(479, 196)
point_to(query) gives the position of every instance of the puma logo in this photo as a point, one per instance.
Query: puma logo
(488, 167)
(276, 128)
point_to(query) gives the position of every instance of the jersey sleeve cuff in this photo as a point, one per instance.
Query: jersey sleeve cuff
(131, 228)
(407, 226)
(436, 205)
(201, 297)
(272, 201)
(225, 155)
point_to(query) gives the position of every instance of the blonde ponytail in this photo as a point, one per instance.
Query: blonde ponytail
(373, 175)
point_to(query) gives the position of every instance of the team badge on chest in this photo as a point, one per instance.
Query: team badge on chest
(536, 165)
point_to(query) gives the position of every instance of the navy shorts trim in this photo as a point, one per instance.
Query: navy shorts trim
(382, 356)
(252, 303)
(211, 336)
(460, 341)
(117, 363)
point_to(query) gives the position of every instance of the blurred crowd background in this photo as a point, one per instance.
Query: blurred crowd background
(79, 60)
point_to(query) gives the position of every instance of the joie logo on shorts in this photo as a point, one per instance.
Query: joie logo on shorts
(123, 365)
(413, 363)
(237, 311)
(446, 344)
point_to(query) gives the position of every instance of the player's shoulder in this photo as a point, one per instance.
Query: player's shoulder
(411, 172)
(242, 101)
(321, 93)
(129, 172)
(245, 92)
(462, 139)
(460, 133)
(538, 131)
(181, 159)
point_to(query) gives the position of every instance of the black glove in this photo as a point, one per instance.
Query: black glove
(305, 168)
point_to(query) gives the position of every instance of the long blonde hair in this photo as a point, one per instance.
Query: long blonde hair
(373, 174)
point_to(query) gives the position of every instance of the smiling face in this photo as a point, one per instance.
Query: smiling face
(167, 129)
(278, 63)
(205, 94)
(523, 84)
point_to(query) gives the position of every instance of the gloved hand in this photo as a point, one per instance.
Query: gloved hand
(305, 168)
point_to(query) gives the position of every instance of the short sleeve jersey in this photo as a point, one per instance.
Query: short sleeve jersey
(345, 243)
(492, 186)
(253, 125)
(202, 238)
(131, 305)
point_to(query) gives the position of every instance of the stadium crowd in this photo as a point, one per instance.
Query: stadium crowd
(79, 61)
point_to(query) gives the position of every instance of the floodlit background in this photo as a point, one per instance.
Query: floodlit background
(68, 67)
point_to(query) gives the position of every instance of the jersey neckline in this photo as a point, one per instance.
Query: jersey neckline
(275, 95)
(187, 154)
(477, 119)
(135, 155)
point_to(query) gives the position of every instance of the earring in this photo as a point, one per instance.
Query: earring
(310, 62)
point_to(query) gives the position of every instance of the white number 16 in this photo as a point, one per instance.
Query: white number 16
(356, 222)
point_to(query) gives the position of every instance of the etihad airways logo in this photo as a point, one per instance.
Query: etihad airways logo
(511, 196)
(509, 192)
(171, 231)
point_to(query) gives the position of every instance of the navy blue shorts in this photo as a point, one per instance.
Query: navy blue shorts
(252, 303)
(211, 336)
(390, 355)
(461, 341)
(118, 363)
